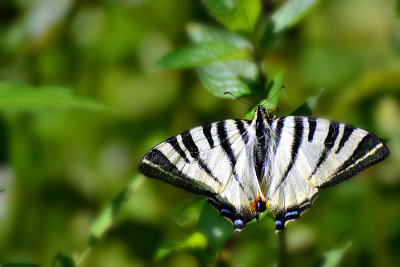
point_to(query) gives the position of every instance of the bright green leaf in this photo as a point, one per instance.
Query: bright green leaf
(285, 17)
(236, 76)
(274, 86)
(20, 97)
(203, 33)
(307, 107)
(199, 54)
(195, 241)
(165, 249)
(105, 219)
(291, 13)
(235, 14)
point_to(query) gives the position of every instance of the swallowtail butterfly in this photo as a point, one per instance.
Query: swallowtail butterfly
(243, 166)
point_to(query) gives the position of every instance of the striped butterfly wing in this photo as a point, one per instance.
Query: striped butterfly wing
(309, 153)
(211, 160)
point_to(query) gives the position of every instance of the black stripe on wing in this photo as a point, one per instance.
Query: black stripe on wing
(277, 134)
(226, 146)
(369, 151)
(156, 165)
(298, 136)
(329, 142)
(278, 131)
(174, 143)
(348, 130)
(207, 134)
(312, 125)
(242, 130)
(191, 146)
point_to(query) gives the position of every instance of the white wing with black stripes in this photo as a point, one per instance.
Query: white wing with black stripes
(311, 153)
(212, 160)
(243, 166)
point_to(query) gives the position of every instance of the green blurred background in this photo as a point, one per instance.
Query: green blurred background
(62, 169)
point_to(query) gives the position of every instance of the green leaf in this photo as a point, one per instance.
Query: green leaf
(203, 33)
(271, 101)
(190, 213)
(274, 86)
(235, 14)
(165, 249)
(236, 76)
(195, 242)
(332, 258)
(20, 97)
(199, 54)
(61, 260)
(285, 17)
(307, 107)
(291, 13)
(212, 233)
(215, 229)
(174, 224)
(106, 218)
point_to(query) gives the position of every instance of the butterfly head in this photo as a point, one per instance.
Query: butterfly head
(261, 115)
(260, 108)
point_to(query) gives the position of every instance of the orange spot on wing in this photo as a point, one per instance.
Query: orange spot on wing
(253, 205)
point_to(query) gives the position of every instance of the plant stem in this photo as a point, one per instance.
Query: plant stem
(258, 60)
(82, 257)
(283, 256)
(261, 75)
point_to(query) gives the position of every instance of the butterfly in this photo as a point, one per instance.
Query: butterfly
(244, 167)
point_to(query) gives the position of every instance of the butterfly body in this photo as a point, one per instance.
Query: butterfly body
(245, 166)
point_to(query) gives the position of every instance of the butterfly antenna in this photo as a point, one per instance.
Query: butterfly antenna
(229, 93)
(282, 87)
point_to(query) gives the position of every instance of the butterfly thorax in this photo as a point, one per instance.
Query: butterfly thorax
(261, 123)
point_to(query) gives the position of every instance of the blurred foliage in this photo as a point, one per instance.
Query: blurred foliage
(81, 103)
